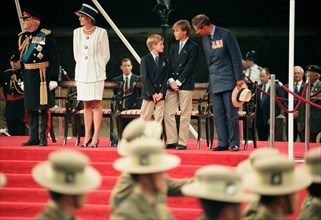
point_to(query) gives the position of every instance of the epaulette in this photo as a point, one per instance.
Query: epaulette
(45, 31)
(22, 32)
(7, 70)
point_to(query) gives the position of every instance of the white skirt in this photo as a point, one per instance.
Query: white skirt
(90, 91)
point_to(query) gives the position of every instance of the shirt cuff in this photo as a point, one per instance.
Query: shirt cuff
(178, 82)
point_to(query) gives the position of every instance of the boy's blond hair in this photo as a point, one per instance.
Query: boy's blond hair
(153, 39)
(184, 25)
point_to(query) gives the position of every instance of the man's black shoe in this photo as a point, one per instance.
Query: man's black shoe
(180, 147)
(234, 148)
(219, 148)
(30, 143)
(171, 146)
(43, 142)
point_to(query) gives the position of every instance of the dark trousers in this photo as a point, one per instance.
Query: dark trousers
(34, 124)
(296, 132)
(16, 127)
(263, 132)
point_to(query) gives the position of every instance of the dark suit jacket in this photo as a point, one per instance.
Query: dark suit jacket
(224, 60)
(263, 109)
(182, 65)
(131, 101)
(154, 79)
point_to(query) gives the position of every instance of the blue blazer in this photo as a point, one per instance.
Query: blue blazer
(183, 64)
(154, 79)
(224, 60)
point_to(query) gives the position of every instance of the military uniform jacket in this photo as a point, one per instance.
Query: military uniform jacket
(139, 206)
(310, 209)
(224, 60)
(9, 79)
(53, 212)
(154, 79)
(263, 214)
(42, 48)
(182, 64)
(125, 184)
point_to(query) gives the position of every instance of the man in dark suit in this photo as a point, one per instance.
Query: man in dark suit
(263, 105)
(298, 89)
(127, 80)
(224, 61)
(183, 57)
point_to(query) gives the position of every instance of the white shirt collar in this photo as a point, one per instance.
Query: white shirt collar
(124, 76)
(184, 42)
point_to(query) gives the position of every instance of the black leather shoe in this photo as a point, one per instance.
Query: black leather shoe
(43, 142)
(30, 143)
(219, 148)
(234, 148)
(180, 147)
(171, 146)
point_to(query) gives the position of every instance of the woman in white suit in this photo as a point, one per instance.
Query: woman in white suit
(91, 53)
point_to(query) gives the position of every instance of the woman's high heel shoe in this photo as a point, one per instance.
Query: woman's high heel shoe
(94, 145)
(86, 144)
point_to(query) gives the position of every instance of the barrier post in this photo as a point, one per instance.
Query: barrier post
(307, 115)
(272, 110)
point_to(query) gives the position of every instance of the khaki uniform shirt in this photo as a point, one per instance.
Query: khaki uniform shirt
(139, 205)
(125, 184)
(310, 209)
(53, 212)
(263, 214)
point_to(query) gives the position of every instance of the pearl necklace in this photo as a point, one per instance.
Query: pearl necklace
(89, 29)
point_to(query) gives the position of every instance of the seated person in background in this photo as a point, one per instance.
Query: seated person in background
(311, 206)
(276, 179)
(139, 129)
(127, 79)
(68, 178)
(220, 192)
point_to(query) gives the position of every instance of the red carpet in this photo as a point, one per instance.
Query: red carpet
(22, 198)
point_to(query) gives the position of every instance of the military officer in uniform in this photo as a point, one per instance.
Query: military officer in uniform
(276, 179)
(147, 163)
(311, 206)
(10, 81)
(68, 177)
(38, 52)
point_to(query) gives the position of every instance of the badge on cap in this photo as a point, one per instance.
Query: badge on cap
(276, 179)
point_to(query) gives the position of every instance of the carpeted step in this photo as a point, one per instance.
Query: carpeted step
(105, 169)
(26, 181)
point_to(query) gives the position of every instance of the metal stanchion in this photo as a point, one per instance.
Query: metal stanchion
(272, 110)
(307, 115)
(60, 102)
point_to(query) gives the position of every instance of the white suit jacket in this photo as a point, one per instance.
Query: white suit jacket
(91, 53)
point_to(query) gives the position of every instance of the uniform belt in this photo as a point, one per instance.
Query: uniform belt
(43, 84)
(32, 66)
(14, 97)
